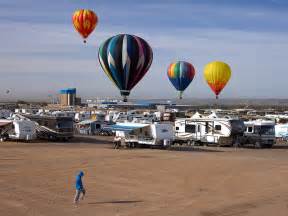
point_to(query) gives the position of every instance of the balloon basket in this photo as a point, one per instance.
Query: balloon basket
(180, 95)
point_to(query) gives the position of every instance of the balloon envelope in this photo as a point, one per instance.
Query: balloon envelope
(125, 59)
(217, 74)
(84, 22)
(181, 74)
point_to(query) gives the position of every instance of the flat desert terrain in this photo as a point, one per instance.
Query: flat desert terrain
(38, 179)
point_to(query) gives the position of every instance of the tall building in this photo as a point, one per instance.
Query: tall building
(68, 97)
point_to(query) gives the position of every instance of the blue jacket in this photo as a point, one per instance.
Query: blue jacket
(79, 184)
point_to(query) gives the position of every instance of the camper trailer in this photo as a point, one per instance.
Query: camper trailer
(17, 129)
(260, 133)
(23, 130)
(281, 131)
(140, 134)
(53, 127)
(210, 129)
(82, 116)
(92, 127)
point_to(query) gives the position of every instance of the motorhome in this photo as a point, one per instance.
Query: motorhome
(140, 134)
(260, 133)
(200, 129)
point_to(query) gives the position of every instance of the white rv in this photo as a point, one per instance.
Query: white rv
(210, 129)
(260, 133)
(134, 116)
(281, 131)
(21, 129)
(137, 134)
(81, 116)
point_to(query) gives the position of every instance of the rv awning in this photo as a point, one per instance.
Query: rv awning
(4, 123)
(125, 128)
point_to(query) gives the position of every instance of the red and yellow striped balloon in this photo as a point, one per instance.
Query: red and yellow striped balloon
(84, 22)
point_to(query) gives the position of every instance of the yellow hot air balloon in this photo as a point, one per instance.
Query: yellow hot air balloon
(217, 74)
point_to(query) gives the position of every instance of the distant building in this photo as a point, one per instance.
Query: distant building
(78, 101)
(67, 97)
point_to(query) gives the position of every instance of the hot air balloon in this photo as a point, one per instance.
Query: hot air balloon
(125, 59)
(217, 74)
(181, 74)
(84, 22)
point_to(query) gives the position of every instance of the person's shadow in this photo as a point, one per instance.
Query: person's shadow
(116, 202)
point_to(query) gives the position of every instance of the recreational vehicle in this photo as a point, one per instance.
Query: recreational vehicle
(140, 134)
(93, 127)
(281, 131)
(260, 133)
(53, 127)
(82, 116)
(20, 129)
(211, 129)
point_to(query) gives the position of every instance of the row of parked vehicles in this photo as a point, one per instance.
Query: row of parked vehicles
(197, 130)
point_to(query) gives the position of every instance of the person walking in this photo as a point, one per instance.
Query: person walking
(80, 190)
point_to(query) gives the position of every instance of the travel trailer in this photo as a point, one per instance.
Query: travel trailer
(140, 134)
(210, 129)
(260, 133)
(81, 116)
(93, 127)
(281, 131)
(134, 116)
(17, 129)
(53, 127)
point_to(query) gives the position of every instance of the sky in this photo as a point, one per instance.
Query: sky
(41, 53)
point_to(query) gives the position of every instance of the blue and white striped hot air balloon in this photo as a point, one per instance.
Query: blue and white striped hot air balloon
(125, 59)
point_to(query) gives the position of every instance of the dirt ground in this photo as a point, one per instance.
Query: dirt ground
(38, 179)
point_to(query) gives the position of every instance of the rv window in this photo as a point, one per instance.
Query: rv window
(177, 128)
(218, 127)
(250, 129)
(190, 128)
(267, 130)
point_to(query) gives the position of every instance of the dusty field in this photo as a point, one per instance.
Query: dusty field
(38, 179)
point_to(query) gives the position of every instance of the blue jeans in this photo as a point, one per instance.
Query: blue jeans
(78, 194)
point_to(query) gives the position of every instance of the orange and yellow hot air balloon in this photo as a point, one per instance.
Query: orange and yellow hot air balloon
(84, 22)
(217, 74)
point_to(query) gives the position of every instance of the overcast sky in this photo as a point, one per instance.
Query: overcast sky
(40, 52)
